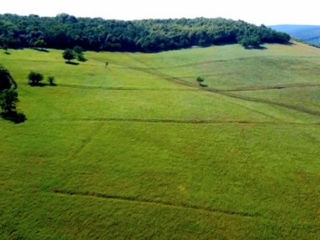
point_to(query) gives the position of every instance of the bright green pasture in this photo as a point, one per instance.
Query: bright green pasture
(230, 67)
(134, 151)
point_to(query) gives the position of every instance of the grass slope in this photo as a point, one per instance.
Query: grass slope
(138, 151)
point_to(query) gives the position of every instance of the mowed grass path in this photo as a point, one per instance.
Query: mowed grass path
(138, 151)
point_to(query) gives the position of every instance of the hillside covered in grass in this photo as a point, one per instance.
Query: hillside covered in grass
(138, 150)
(65, 31)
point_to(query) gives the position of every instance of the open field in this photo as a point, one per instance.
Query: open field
(138, 151)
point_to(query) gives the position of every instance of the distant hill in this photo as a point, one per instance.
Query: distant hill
(65, 31)
(307, 33)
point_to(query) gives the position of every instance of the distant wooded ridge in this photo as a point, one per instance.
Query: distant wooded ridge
(65, 31)
(307, 33)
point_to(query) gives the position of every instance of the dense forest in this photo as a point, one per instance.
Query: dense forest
(65, 31)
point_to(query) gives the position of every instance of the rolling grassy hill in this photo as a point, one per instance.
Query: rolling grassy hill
(138, 151)
(307, 33)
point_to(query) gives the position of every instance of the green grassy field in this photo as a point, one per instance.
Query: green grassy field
(138, 151)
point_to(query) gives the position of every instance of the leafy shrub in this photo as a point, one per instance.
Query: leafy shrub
(35, 78)
(81, 58)
(68, 55)
(51, 81)
(8, 100)
(200, 79)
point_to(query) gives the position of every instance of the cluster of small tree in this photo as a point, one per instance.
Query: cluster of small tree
(35, 79)
(75, 53)
(65, 31)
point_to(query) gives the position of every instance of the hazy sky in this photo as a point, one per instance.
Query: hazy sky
(266, 12)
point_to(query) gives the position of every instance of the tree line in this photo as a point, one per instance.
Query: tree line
(66, 31)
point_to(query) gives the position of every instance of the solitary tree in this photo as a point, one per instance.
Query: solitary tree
(68, 55)
(51, 81)
(8, 101)
(78, 52)
(81, 57)
(200, 80)
(35, 78)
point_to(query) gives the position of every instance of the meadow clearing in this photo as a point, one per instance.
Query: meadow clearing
(137, 150)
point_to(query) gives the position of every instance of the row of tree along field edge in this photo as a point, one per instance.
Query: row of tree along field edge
(65, 31)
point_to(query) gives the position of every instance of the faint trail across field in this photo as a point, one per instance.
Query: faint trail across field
(272, 87)
(139, 120)
(174, 121)
(86, 141)
(265, 101)
(154, 202)
(200, 62)
(125, 88)
(226, 93)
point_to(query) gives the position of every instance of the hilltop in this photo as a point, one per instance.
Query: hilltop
(65, 31)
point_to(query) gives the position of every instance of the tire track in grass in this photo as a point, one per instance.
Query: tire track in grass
(125, 88)
(228, 60)
(200, 62)
(177, 121)
(166, 77)
(86, 141)
(273, 87)
(265, 101)
(231, 94)
(153, 202)
(196, 121)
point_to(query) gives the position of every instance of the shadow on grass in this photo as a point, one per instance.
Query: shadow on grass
(43, 85)
(41, 50)
(14, 117)
(72, 63)
(7, 53)
(37, 84)
(256, 48)
(82, 59)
